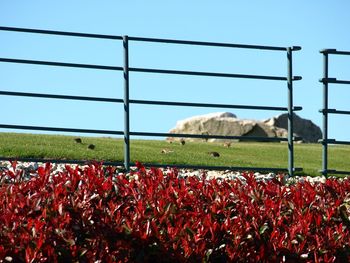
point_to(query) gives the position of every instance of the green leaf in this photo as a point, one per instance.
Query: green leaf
(263, 229)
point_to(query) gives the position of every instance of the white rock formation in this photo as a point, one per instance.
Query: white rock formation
(225, 123)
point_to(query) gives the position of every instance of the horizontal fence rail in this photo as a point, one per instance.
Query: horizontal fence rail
(202, 136)
(126, 100)
(56, 96)
(41, 128)
(59, 33)
(208, 74)
(223, 168)
(335, 111)
(51, 160)
(326, 80)
(145, 102)
(59, 64)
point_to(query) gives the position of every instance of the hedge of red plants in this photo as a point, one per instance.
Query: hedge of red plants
(88, 214)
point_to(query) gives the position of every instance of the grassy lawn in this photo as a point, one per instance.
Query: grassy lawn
(307, 156)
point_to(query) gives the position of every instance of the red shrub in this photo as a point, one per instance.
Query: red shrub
(88, 214)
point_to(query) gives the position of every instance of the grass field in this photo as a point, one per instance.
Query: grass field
(307, 156)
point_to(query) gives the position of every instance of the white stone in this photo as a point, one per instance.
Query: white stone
(227, 124)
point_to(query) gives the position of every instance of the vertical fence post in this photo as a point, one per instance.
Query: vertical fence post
(325, 115)
(126, 105)
(290, 112)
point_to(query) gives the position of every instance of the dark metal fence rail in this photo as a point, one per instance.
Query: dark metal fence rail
(127, 101)
(325, 111)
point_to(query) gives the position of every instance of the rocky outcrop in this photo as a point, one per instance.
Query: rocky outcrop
(306, 129)
(225, 123)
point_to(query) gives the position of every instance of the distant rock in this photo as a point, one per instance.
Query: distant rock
(220, 123)
(226, 123)
(306, 129)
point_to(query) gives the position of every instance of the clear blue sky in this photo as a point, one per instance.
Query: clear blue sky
(312, 24)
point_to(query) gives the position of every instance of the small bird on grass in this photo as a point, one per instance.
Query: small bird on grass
(91, 146)
(78, 140)
(182, 141)
(166, 151)
(214, 154)
(227, 144)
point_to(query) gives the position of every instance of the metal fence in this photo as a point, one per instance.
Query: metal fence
(126, 101)
(325, 111)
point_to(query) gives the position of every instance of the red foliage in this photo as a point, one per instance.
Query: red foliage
(88, 214)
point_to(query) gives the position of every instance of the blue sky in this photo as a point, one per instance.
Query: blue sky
(312, 24)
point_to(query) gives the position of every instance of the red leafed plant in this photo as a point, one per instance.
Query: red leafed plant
(89, 214)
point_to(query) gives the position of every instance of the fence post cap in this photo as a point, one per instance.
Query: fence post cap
(328, 50)
(327, 80)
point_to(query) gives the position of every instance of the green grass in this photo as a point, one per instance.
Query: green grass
(307, 156)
